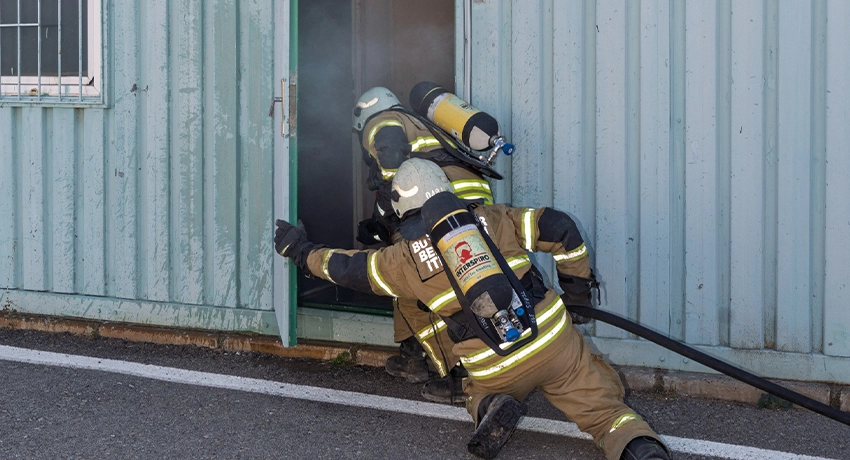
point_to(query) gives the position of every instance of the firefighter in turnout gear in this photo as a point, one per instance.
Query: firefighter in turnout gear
(388, 135)
(557, 361)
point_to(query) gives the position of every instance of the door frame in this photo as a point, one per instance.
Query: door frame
(285, 159)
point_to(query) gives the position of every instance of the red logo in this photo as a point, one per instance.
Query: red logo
(463, 251)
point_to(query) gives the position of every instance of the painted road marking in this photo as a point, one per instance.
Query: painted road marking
(349, 398)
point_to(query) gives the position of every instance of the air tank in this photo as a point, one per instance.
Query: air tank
(476, 129)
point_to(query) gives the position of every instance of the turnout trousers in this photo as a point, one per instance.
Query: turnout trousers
(429, 330)
(576, 381)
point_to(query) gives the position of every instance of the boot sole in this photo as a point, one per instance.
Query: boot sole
(412, 378)
(458, 399)
(496, 428)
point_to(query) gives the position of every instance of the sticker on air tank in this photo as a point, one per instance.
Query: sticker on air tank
(467, 254)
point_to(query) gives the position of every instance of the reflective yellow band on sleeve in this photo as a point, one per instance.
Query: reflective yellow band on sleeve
(518, 261)
(375, 275)
(575, 254)
(381, 124)
(370, 145)
(388, 174)
(471, 189)
(528, 229)
(420, 143)
(325, 261)
(474, 197)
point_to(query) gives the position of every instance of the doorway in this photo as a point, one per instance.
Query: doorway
(345, 48)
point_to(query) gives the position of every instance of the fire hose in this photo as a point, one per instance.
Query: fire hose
(712, 362)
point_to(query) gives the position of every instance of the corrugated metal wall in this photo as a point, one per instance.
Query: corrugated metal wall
(703, 146)
(155, 208)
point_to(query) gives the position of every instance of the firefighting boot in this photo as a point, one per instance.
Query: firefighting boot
(447, 390)
(410, 363)
(496, 426)
(644, 448)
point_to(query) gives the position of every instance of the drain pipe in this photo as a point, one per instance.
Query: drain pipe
(712, 362)
(467, 51)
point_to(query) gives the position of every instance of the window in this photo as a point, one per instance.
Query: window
(50, 51)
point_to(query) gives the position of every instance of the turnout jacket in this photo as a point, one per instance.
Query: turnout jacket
(391, 137)
(412, 269)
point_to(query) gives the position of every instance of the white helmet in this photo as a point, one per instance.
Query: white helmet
(370, 103)
(415, 181)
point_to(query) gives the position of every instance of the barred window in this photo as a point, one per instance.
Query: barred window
(50, 51)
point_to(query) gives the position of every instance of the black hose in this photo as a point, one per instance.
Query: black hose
(714, 363)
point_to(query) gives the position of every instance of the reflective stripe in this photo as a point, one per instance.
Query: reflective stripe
(325, 261)
(471, 189)
(421, 142)
(438, 363)
(449, 295)
(460, 185)
(387, 174)
(528, 229)
(377, 127)
(524, 353)
(575, 254)
(542, 319)
(518, 261)
(442, 300)
(622, 420)
(471, 197)
(426, 334)
(429, 331)
(376, 275)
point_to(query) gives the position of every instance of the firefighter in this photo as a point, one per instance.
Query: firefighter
(557, 362)
(388, 135)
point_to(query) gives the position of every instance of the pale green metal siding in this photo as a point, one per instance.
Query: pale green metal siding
(703, 146)
(156, 207)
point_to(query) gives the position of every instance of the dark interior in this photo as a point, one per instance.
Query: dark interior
(342, 51)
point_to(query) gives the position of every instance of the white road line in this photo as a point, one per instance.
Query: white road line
(349, 398)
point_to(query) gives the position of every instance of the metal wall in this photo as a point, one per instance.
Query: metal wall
(157, 206)
(703, 147)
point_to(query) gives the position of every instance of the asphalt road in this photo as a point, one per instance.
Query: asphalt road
(49, 411)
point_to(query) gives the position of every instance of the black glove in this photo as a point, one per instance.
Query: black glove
(291, 241)
(370, 231)
(578, 291)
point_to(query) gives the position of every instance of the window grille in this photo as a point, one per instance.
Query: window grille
(50, 51)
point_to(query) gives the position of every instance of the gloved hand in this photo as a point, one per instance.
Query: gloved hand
(578, 291)
(291, 242)
(370, 231)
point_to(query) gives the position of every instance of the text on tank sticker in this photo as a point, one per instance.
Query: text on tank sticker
(468, 256)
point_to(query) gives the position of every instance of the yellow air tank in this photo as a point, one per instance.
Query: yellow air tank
(476, 129)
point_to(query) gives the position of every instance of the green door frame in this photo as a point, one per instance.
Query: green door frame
(286, 161)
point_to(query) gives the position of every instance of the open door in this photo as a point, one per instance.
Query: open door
(345, 48)
(285, 149)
